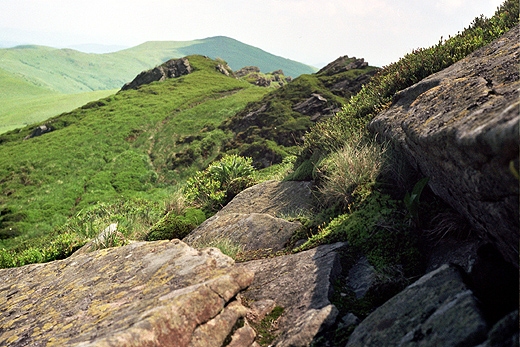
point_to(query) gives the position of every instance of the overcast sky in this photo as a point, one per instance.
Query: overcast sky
(310, 31)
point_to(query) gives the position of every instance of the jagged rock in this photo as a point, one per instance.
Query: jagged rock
(263, 81)
(349, 319)
(243, 337)
(145, 294)
(38, 131)
(170, 69)
(437, 310)
(246, 70)
(342, 64)
(315, 106)
(224, 69)
(504, 333)
(347, 87)
(460, 128)
(301, 284)
(251, 219)
(452, 251)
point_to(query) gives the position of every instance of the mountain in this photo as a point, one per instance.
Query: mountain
(70, 71)
(134, 143)
(145, 142)
(58, 72)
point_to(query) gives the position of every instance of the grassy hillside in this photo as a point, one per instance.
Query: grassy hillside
(24, 103)
(69, 71)
(124, 146)
(39, 82)
(122, 159)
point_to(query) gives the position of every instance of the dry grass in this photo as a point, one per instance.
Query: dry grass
(358, 163)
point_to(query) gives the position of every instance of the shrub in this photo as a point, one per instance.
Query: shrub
(134, 218)
(174, 226)
(220, 182)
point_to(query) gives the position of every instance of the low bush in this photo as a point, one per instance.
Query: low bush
(378, 228)
(357, 164)
(214, 187)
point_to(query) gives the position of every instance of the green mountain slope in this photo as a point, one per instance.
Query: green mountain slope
(70, 71)
(133, 144)
(238, 55)
(39, 82)
(24, 103)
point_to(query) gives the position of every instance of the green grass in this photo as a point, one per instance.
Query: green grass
(38, 82)
(116, 148)
(21, 111)
(142, 145)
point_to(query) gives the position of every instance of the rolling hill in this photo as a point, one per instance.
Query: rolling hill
(39, 82)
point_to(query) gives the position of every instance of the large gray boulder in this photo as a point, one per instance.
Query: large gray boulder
(437, 310)
(250, 231)
(460, 128)
(161, 293)
(300, 283)
(252, 219)
(274, 198)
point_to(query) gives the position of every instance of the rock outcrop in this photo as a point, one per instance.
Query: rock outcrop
(343, 64)
(316, 106)
(246, 70)
(161, 293)
(38, 131)
(170, 69)
(460, 128)
(300, 283)
(437, 310)
(252, 218)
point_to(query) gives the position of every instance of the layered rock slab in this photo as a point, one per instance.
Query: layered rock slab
(460, 128)
(300, 283)
(437, 310)
(144, 294)
(252, 220)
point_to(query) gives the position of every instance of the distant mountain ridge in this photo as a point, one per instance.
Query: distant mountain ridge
(69, 71)
(39, 82)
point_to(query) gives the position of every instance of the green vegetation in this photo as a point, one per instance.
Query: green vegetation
(377, 95)
(174, 226)
(39, 82)
(270, 129)
(214, 187)
(126, 159)
(119, 148)
(266, 328)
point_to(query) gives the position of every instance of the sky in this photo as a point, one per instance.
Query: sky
(313, 32)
